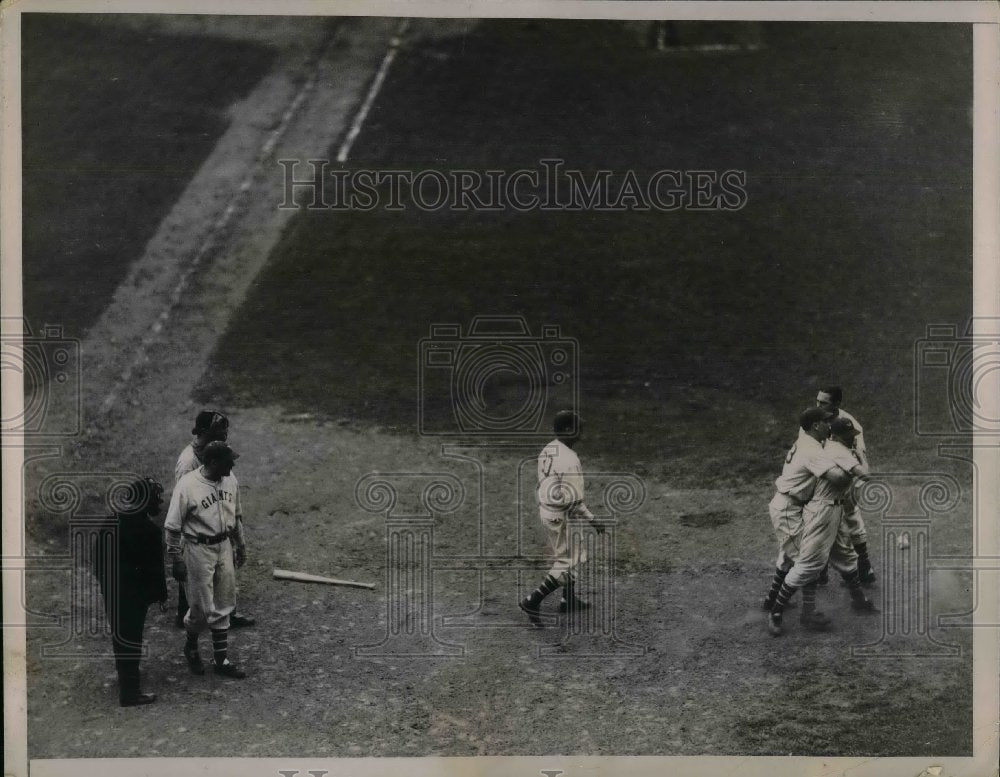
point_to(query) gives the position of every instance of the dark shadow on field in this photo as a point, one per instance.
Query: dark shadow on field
(702, 334)
(115, 123)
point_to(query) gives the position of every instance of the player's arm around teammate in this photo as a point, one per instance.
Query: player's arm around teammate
(793, 490)
(830, 398)
(836, 467)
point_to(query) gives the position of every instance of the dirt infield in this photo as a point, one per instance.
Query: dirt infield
(692, 561)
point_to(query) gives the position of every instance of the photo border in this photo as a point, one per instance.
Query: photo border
(985, 17)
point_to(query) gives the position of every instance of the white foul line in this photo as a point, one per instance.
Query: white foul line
(220, 224)
(373, 91)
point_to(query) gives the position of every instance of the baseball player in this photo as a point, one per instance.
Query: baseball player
(209, 426)
(823, 536)
(128, 564)
(560, 498)
(829, 398)
(793, 490)
(205, 512)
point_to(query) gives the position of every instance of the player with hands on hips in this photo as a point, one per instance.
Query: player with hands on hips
(204, 529)
(560, 499)
(824, 536)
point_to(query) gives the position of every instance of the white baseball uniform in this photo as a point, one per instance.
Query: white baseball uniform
(852, 515)
(560, 498)
(794, 488)
(206, 514)
(823, 535)
(189, 459)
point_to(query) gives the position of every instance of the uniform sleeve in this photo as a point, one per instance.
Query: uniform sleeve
(176, 511)
(180, 469)
(239, 504)
(238, 529)
(820, 463)
(847, 461)
(175, 521)
(859, 441)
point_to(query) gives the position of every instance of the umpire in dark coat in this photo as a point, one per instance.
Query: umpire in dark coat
(128, 563)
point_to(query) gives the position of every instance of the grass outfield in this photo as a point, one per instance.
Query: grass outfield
(699, 331)
(115, 124)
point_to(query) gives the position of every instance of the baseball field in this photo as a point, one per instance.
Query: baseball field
(700, 336)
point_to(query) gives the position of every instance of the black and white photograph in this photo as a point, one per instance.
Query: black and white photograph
(528, 385)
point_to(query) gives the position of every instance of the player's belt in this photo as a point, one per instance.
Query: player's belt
(204, 539)
(793, 500)
(834, 502)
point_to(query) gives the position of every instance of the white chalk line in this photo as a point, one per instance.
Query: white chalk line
(373, 90)
(216, 229)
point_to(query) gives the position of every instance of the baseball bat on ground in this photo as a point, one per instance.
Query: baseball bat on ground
(304, 577)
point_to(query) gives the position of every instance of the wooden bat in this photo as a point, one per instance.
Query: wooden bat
(304, 577)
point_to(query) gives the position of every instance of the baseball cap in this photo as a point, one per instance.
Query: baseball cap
(566, 421)
(811, 415)
(218, 450)
(207, 419)
(842, 427)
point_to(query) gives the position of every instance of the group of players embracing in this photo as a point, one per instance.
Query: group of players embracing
(815, 516)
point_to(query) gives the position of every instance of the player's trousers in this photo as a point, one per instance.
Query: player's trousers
(855, 524)
(567, 554)
(210, 585)
(786, 518)
(825, 537)
(127, 618)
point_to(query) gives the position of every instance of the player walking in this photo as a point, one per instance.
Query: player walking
(823, 538)
(794, 489)
(205, 511)
(209, 426)
(560, 499)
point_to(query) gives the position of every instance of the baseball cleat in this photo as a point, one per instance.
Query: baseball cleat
(774, 624)
(194, 661)
(532, 612)
(573, 605)
(868, 578)
(230, 670)
(815, 621)
(137, 700)
(241, 621)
